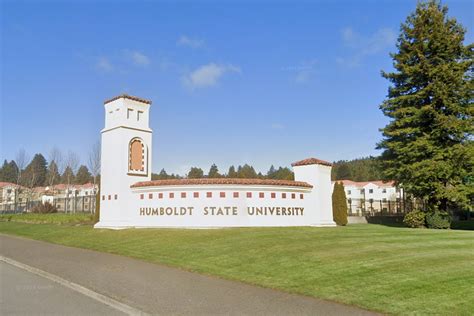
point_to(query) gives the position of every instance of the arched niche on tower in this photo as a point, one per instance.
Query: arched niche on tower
(137, 157)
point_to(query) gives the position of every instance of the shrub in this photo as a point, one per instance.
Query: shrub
(339, 205)
(44, 208)
(438, 220)
(415, 219)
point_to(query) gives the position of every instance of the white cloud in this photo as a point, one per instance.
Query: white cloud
(103, 64)
(304, 71)
(363, 46)
(190, 42)
(208, 75)
(277, 126)
(138, 58)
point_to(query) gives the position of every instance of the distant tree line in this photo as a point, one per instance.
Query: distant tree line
(60, 168)
(361, 169)
(245, 172)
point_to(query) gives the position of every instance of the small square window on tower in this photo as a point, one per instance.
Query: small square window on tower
(160, 195)
(222, 194)
(261, 195)
(209, 194)
(142, 196)
(301, 196)
(103, 197)
(273, 195)
(283, 195)
(150, 196)
(236, 194)
(249, 195)
(116, 196)
(171, 195)
(183, 195)
(293, 196)
(196, 195)
(110, 197)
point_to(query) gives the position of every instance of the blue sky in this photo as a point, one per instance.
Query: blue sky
(259, 82)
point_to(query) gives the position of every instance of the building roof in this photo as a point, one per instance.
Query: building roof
(222, 181)
(130, 97)
(311, 161)
(362, 184)
(8, 184)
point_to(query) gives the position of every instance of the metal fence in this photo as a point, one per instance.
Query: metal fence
(371, 207)
(79, 204)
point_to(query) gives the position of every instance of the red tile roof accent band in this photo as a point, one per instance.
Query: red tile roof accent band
(130, 97)
(311, 161)
(224, 181)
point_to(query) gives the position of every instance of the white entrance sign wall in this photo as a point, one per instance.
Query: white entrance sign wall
(130, 199)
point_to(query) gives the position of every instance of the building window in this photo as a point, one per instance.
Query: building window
(371, 191)
(261, 195)
(110, 197)
(142, 196)
(183, 195)
(384, 190)
(283, 195)
(139, 115)
(160, 195)
(222, 194)
(171, 195)
(301, 196)
(348, 192)
(209, 194)
(150, 196)
(236, 194)
(273, 195)
(129, 113)
(103, 197)
(196, 194)
(249, 194)
(362, 191)
(116, 196)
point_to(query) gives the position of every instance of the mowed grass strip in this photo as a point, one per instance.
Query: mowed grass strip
(387, 269)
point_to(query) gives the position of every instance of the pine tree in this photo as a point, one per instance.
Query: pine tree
(68, 176)
(271, 172)
(339, 204)
(53, 175)
(35, 172)
(9, 172)
(427, 145)
(83, 175)
(246, 172)
(214, 172)
(196, 173)
(231, 173)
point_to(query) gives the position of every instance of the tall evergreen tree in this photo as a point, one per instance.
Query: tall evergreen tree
(68, 176)
(246, 172)
(231, 173)
(271, 172)
(427, 145)
(35, 172)
(339, 204)
(9, 172)
(195, 173)
(214, 172)
(83, 175)
(53, 177)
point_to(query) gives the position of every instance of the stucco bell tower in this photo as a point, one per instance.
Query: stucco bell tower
(126, 156)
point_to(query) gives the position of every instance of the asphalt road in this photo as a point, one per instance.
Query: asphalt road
(158, 289)
(25, 293)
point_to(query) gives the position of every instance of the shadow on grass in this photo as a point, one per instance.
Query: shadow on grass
(463, 225)
(390, 221)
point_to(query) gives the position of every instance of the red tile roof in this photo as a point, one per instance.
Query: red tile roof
(130, 97)
(224, 181)
(311, 161)
(8, 184)
(361, 184)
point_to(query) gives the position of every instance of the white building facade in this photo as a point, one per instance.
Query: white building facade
(372, 197)
(130, 199)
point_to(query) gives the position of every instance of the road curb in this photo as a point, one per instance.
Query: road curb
(76, 287)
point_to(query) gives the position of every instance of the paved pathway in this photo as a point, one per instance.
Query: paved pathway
(158, 289)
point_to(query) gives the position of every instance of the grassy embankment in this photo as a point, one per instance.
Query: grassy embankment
(388, 269)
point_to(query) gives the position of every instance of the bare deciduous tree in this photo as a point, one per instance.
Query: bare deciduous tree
(55, 156)
(94, 161)
(72, 163)
(21, 159)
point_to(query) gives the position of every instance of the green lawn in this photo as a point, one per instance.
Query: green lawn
(387, 269)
